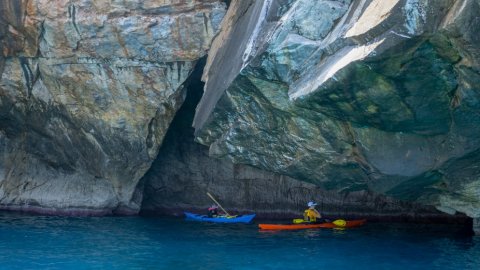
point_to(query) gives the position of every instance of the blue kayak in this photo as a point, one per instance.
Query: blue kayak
(220, 219)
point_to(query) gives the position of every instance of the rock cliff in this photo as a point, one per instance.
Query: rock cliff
(183, 172)
(355, 98)
(87, 92)
(351, 95)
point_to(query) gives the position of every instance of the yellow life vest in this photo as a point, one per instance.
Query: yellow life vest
(310, 215)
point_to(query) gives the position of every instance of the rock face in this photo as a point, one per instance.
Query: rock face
(183, 172)
(476, 226)
(87, 92)
(351, 95)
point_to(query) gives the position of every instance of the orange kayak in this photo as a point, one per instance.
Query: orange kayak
(350, 224)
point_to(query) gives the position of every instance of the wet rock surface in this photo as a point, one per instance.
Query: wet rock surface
(351, 95)
(87, 92)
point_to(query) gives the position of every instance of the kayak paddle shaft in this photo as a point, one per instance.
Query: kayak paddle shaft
(213, 199)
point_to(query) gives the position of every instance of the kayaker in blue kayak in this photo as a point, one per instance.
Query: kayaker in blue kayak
(212, 211)
(311, 214)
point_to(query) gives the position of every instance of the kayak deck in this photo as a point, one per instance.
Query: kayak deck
(350, 224)
(220, 219)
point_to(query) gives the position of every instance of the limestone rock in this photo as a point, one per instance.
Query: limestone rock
(87, 92)
(351, 95)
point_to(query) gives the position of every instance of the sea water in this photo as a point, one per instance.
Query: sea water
(39, 242)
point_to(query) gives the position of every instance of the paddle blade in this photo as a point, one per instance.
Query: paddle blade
(340, 223)
(298, 221)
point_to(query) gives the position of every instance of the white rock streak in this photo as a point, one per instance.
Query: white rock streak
(252, 42)
(373, 15)
(343, 58)
(400, 35)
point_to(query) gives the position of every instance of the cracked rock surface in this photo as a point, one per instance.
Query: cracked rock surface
(87, 92)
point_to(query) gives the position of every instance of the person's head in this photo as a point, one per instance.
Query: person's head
(311, 204)
(213, 207)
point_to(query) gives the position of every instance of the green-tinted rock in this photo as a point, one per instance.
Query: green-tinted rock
(87, 92)
(382, 96)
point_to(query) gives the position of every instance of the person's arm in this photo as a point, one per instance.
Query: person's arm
(317, 214)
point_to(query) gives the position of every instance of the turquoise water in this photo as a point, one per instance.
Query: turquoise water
(37, 242)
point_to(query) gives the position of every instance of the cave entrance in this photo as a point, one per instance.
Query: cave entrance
(175, 154)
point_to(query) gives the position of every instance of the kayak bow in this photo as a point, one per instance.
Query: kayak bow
(330, 225)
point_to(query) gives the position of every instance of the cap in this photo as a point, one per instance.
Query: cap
(310, 204)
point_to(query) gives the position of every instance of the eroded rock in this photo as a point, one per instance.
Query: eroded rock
(88, 90)
(379, 95)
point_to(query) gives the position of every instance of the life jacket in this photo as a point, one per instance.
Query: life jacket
(309, 215)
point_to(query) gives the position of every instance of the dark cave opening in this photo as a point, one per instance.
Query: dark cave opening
(179, 137)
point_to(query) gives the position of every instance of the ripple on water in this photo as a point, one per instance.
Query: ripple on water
(39, 242)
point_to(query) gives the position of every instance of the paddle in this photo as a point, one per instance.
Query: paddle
(298, 220)
(338, 222)
(213, 199)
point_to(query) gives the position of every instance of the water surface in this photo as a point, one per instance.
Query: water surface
(38, 242)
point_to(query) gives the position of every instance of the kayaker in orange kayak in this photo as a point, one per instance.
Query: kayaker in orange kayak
(311, 214)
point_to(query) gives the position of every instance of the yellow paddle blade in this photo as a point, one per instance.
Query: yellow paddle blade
(231, 216)
(298, 221)
(340, 223)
